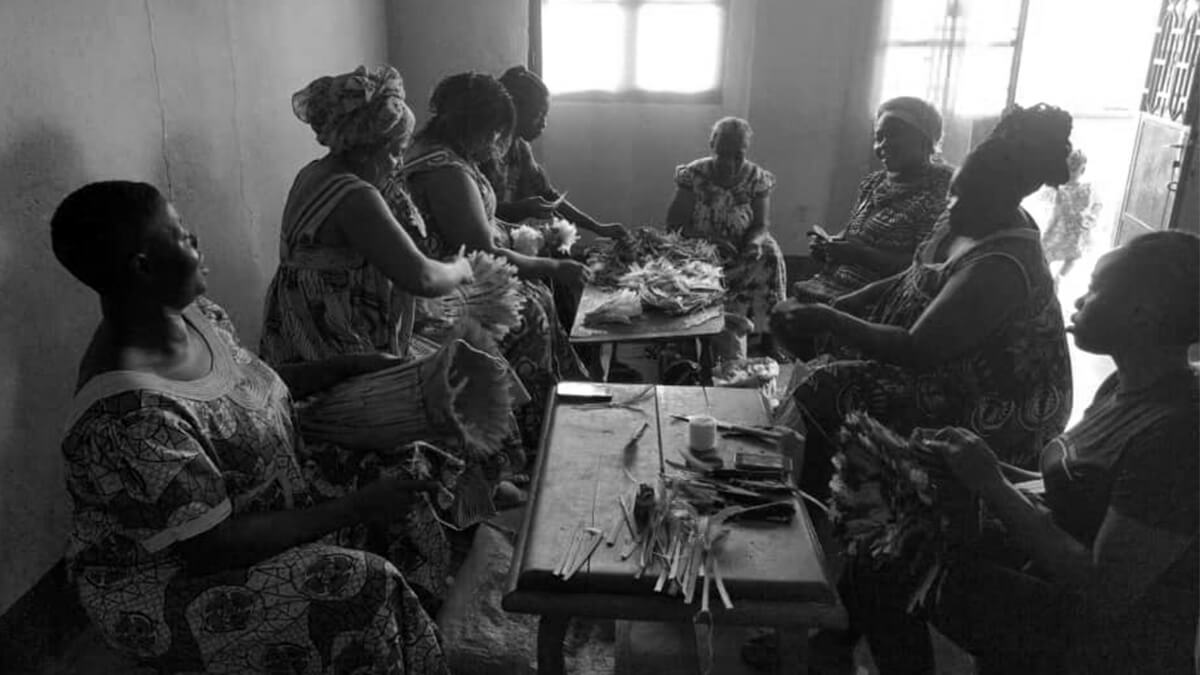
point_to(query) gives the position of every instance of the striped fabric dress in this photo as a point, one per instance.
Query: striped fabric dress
(328, 301)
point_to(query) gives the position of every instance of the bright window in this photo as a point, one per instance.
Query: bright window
(633, 48)
(958, 55)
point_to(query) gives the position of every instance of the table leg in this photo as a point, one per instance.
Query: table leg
(793, 650)
(704, 349)
(608, 354)
(552, 628)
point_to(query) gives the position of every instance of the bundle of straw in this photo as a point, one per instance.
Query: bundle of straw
(486, 309)
(894, 500)
(526, 240)
(458, 393)
(560, 236)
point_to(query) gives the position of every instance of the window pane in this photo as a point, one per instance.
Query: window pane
(583, 45)
(918, 20)
(913, 71)
(983, 81)
(992, 20)
(679, 47)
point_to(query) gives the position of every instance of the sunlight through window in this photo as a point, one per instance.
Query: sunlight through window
(584, 46)
(678, 48)
(671, 47)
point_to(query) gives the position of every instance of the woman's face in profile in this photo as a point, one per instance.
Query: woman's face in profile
(899, 145)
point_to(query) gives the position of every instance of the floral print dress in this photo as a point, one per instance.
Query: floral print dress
(890, 216)
(538, 348)
(721, 215)
(1013, 389)
(326, 301)
(152, 462)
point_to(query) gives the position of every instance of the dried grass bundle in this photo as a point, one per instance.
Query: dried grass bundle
(561, 236)
(894, 500)
(527, 240)
(485, 310)
(459, 393)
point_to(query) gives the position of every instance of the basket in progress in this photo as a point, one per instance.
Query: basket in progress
(459, 392)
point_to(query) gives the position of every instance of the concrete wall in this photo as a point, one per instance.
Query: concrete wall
(430, 39)
(192, 96)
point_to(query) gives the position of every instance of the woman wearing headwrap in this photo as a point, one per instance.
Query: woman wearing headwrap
(348, 266)
(896, 206)
(725, 198)
(472, 120)
(348, 270)
(1098, 571)
(971, 334)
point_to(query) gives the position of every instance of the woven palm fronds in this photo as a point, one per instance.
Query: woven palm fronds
(486, 309)
(894, 500)
(459, 393)
(611, 259)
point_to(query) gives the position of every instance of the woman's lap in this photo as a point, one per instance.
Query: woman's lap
(311, 604)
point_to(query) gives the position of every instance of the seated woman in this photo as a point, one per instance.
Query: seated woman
(1113, 582)
(725, 199)
(522, 188)
(472, 119)
(347, 268)
(970, 334)
(197, 546)
(896, 207)
(347, 274)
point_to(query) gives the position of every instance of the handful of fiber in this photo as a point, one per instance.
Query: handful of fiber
(894, 500)
(459, 393)
(488, 307)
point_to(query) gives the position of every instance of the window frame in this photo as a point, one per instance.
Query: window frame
(952, 41)
(629, 92)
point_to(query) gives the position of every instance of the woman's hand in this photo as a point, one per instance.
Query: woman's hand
(840, 251)
(609, 230)
(570, 272)
(461, 267)
(390, 497)
(969, 458)
(533, 207)
(792, 319)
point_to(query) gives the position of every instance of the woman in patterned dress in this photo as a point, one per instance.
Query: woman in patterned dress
(1099, 570)
(197, 546)
(348, 271)
(896, 207)
(348, 268)
(971, 334)
(1074, 210)
(472, 119)
(524, 191)
(725, 199)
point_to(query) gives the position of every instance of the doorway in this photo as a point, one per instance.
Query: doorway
(1091, 59)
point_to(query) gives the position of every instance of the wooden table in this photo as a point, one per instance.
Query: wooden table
(775, 574)
(648, 327)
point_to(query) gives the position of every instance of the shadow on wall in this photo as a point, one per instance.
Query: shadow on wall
(46, 320)
(212, 206)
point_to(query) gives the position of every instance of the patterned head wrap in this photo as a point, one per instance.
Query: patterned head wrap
(914, 112)
(361, 108)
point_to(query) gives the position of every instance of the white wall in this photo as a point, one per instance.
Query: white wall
(197, 92)
(430, 39)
